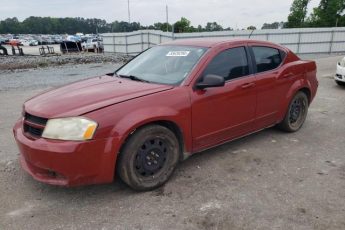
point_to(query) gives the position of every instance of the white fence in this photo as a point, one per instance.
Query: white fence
(300, 41)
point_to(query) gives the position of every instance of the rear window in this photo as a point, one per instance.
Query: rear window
(266, 58)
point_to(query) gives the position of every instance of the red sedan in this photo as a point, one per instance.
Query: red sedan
(169, 102)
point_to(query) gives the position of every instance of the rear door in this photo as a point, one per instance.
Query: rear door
(224, 113)
(267, 61)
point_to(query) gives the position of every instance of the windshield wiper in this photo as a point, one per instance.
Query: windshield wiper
(132, 77)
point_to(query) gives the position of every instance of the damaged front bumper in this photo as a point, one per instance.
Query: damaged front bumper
(66, 163)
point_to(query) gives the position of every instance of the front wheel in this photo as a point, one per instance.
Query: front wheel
(148, 158)
(296, 114)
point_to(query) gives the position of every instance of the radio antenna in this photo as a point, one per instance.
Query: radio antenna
(251, 34)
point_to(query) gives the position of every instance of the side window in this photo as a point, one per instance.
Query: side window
(266, 58)
(230, 64)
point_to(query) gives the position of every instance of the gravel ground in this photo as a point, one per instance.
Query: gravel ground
(15, 63)
(269, 180)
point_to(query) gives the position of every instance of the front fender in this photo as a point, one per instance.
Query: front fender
(120, 120)
(140, 117)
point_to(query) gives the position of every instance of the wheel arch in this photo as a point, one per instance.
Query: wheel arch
(307, 92)
(169, 124)
(172, 126)
(295, 88)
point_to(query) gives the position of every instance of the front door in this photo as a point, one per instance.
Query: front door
(224, 113)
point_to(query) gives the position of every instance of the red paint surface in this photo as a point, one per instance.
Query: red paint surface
(205, 118)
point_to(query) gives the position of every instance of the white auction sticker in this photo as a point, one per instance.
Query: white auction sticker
(178, 53)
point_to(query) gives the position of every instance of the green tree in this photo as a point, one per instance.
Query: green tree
(162, 26)
(213, 26)
(328, 14)
(274, 25)
(49, 25)
(298, 13)
(200, 29)
(251, 28)
(10, 25)
(229, 29)
(182, 26)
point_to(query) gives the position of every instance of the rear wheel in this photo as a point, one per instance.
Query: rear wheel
(149, 158)
(296, 114)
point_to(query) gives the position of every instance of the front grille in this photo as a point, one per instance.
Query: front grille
(35, 119)
(34, 125)
(32, 130)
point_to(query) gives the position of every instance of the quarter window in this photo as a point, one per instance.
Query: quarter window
(230, 64)
(266, 58)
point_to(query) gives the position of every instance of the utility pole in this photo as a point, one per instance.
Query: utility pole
(167, 14)
(129, 13)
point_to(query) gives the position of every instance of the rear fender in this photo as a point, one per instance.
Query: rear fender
(296, 86)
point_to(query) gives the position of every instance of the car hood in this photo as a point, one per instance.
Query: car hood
(88, 95)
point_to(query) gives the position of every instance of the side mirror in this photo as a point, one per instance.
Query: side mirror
(211, 81)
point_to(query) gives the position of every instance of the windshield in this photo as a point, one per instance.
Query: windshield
(163, 64)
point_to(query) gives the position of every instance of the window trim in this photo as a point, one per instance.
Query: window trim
(249, 61)
(250, 65)
(254, 64)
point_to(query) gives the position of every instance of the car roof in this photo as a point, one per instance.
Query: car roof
(213, 42)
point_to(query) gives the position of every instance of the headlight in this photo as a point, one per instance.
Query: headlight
(342, 63)
(72, 129)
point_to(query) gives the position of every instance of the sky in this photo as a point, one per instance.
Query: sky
(236, 14)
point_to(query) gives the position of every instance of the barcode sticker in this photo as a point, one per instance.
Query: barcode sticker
(178, 53)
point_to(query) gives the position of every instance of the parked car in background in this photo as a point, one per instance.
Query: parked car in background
(57, 39)
(340, 74)
(72, 38)
(14, 42)
(33, 43)
(47, 40)
(167, 103)
(25, 42)
(29, 42)
(2, 40)
(92, 44)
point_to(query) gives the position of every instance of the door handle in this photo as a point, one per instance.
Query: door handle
(287, 75)
(248, 85)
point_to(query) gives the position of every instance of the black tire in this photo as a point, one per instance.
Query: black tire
(340, 83)
(148, 158)
(296, 113)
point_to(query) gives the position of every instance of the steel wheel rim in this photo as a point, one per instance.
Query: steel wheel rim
(151, 157)
(297, 112)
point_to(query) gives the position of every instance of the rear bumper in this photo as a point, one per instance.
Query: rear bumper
(67, 163)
